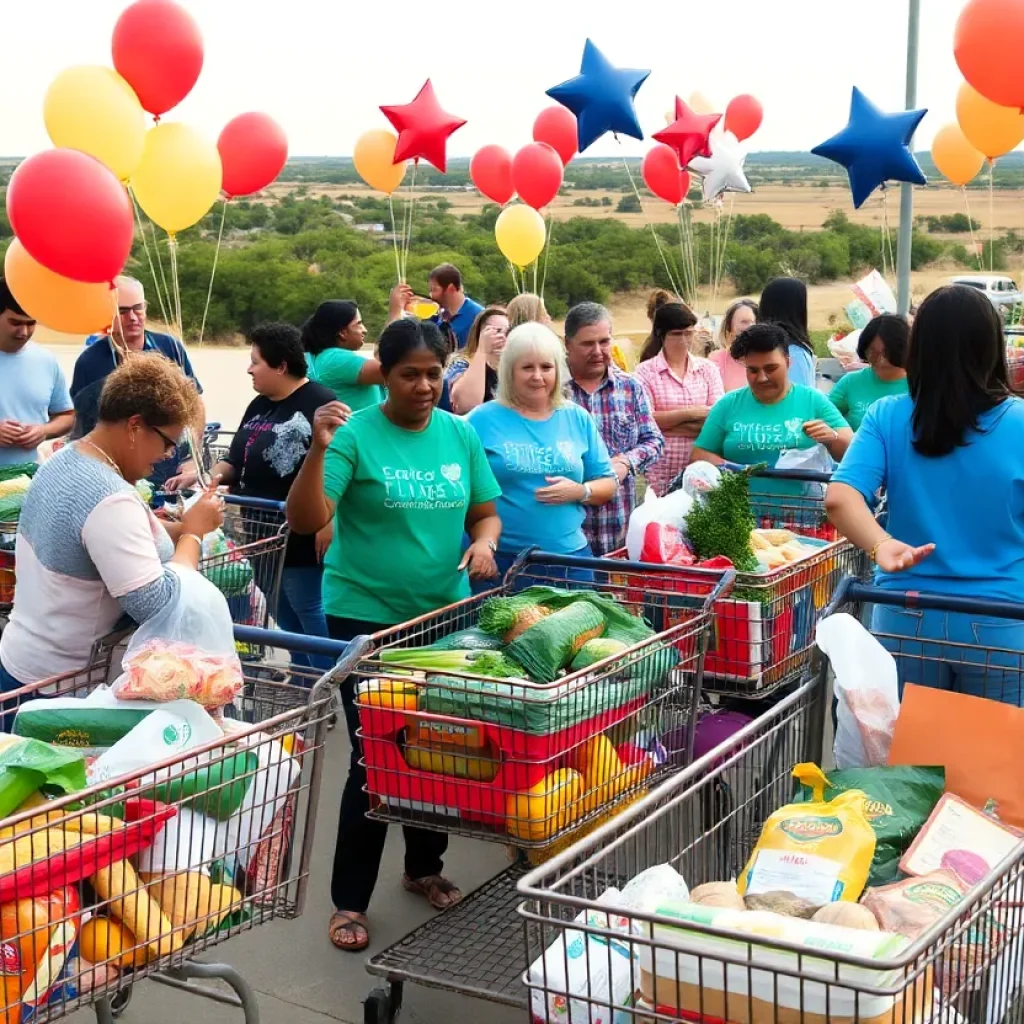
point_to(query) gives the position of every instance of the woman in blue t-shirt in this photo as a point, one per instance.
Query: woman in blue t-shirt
(950, 456)
(545, 450)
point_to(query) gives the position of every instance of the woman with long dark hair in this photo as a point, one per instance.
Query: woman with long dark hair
(682, 388)
(950, 456)
(784, 302)
(333, 337)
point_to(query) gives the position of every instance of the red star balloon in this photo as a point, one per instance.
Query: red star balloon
(689, 134)
(423, 128)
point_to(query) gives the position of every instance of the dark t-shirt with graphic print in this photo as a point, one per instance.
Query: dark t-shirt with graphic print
(267, 452)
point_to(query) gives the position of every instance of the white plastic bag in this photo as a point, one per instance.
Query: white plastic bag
(867, 689)
(671, 510)
(811, 460)
(185, 651)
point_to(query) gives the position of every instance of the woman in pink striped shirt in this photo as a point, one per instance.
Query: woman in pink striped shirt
(682, 388)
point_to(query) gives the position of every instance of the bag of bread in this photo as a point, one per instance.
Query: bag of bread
(820, 851)
(912, 906)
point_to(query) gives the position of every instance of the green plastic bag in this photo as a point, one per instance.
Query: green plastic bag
(232, 579)
(900, 800)
(216, 789)
(31, 765)
(551, 644)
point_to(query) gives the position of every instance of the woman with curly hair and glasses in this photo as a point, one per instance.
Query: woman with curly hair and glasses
(89, 550)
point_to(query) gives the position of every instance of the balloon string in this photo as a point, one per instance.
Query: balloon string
(657, 241)
(172, 245)
(970, 227)
(686, 267)
(394, 240)
(991, 216)
(213, 270)
(515, 280)
(720, 269)
(412, 214)
(149, 258)
(691, 252)
(547, 252)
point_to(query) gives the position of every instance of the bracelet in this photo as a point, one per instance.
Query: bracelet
(193, 536)
(874, 551)
(587, 491)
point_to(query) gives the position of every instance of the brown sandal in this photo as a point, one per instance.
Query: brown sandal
(345, 923)
(435, 889)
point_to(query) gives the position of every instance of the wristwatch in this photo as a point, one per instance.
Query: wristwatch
(493, 547)
(587, 491)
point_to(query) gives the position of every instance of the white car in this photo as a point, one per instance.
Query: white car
(1001, 291)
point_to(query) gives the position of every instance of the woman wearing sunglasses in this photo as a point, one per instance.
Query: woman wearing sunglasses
(89, 551)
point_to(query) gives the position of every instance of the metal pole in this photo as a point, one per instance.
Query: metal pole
(907, 190)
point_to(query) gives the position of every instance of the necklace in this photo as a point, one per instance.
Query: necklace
(106, 458)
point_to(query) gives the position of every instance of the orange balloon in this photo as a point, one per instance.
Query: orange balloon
(989, 128)
(374, 157)
(987, 45)
(954, 156)
(71, 307)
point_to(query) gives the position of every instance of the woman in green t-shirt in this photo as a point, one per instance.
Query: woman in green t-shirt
(883, 346)
(402, 482)
(756, 424)
(332, 338)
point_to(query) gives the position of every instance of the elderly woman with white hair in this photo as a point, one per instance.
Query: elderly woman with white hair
(545, 451)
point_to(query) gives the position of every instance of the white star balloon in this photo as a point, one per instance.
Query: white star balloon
(723, 170)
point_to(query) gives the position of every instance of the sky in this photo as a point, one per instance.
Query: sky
(323, 67)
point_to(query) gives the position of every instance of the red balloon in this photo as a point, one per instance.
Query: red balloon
(987, 46)
(253, 151)
(663, 175)
(72, 215)
(557, 127)
(491, 172)
(423, 128)
(537, 174)
(689, 134)
(743, 116)
(158, 50)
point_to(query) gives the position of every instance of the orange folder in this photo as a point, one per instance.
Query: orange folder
(979, 742)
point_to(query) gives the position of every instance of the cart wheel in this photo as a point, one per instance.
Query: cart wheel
(119, 1001)
(382, 1006)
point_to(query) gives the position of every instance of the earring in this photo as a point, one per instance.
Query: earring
(133, 438)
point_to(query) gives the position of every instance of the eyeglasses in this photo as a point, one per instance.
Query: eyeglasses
(169, 445)
(139, 309)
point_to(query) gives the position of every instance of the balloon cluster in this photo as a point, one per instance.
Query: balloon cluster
(70, 207)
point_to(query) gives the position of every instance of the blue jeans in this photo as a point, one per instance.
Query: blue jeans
(979, 656)
(551, 574)
(300, 609)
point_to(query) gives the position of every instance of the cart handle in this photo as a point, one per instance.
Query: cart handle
(850, 590)
(809, 476)
(724, 579)
(262, 504)
(297, 643)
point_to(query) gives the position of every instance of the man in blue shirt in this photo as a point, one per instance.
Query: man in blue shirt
(100, 359)
(34, 402)
(458, 311)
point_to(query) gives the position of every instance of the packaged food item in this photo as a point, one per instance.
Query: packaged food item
(959, 839)
(163, 670)
(785, 903)
(546, 809)
(718, 894)
(847, 915)
(912, 906)
(29, 764)
(551, 644)
(699, 985)
(820, 851)
(899, 800)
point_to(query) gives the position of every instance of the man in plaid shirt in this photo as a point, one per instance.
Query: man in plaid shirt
(622, 410)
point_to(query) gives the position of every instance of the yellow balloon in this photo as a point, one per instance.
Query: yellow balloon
(95, 110)
(179, 178)
(72, 307)
(374, 157)
(519, 232)
(954, 156)
(700, 104)
(989, 128)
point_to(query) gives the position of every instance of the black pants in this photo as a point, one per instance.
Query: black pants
(360, 843)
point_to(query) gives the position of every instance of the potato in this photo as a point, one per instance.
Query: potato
(718, 894)
(847, 915)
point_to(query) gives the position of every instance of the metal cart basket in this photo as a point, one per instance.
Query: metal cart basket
(704, 823)
(525, 764)
(139, 874)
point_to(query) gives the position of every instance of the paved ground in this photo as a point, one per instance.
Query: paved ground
(300, 977)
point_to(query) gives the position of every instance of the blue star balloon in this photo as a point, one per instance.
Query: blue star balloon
(874, 147)
(601, 97)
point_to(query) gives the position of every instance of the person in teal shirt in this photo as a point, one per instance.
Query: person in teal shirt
(883, 346)
(771, 415)
(950, 455)
(332, 338)
(403, 481)
(545, 450)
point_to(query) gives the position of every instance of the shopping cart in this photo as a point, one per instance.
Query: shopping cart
(216, 443)
(495, 759)
(764, 631)
(219, 841)
(968, 967)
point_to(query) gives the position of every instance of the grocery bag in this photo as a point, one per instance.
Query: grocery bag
(867, 691)
(671, 510)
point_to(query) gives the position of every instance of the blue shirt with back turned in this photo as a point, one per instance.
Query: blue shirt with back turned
(969, 503)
